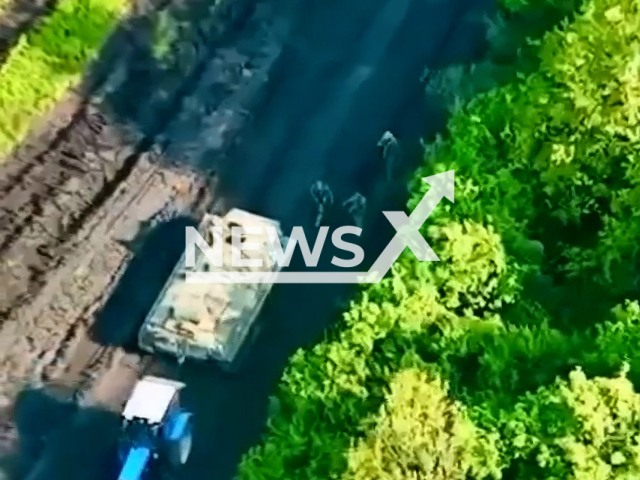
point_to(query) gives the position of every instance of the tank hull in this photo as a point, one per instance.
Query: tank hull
(210, 322)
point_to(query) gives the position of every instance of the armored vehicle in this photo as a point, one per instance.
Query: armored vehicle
(211, 321)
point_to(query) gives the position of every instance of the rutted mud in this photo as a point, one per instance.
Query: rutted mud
(70, 211)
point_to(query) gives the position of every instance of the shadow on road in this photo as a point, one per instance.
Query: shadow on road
(59, 440)
(287, 158)
(157, 250)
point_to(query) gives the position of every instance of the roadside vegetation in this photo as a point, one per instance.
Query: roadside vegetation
(518, 355)
(48, 60)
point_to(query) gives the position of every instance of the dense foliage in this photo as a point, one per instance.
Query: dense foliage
(517, 356)
(420, 432)
(49, 59)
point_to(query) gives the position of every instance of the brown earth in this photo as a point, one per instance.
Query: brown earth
(73, 197)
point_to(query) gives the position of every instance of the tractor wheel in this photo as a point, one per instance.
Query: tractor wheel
(180, 449)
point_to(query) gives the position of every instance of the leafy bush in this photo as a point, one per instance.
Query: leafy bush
(474, 273)
(584, 429)
(420, 433)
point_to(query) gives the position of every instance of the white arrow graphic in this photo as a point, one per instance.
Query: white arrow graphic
(408, 228)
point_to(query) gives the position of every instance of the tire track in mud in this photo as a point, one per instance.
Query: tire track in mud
(56, 195)
(23, 192)
(113, 77)
(48, 134)
(64, 186)
(51, 204)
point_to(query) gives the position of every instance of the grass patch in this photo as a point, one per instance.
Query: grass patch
(50, 59)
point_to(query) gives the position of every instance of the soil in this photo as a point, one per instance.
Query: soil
(75, 196)
(68, 209)
(269, 108)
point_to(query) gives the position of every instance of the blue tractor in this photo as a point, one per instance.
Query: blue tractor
(156, 431)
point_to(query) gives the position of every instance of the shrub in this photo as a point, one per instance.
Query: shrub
(584, 429)
(420, 433)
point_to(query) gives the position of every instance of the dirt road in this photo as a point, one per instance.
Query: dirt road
(345, 77)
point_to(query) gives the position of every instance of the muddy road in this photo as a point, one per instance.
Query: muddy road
(76, 194)
(83, 183)
(347, 73)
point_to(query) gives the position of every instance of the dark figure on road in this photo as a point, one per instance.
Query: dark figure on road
(356, 205)
(323, 196)
(390, 150)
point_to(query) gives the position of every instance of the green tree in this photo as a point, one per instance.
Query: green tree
(421, 434)
(580, 429)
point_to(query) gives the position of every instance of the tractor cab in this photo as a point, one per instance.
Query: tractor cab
(155, 429)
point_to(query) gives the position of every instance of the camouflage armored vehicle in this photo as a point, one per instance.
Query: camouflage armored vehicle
(210, 321)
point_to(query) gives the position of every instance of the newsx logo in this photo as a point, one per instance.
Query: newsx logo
(407, 235)
(282, 255)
